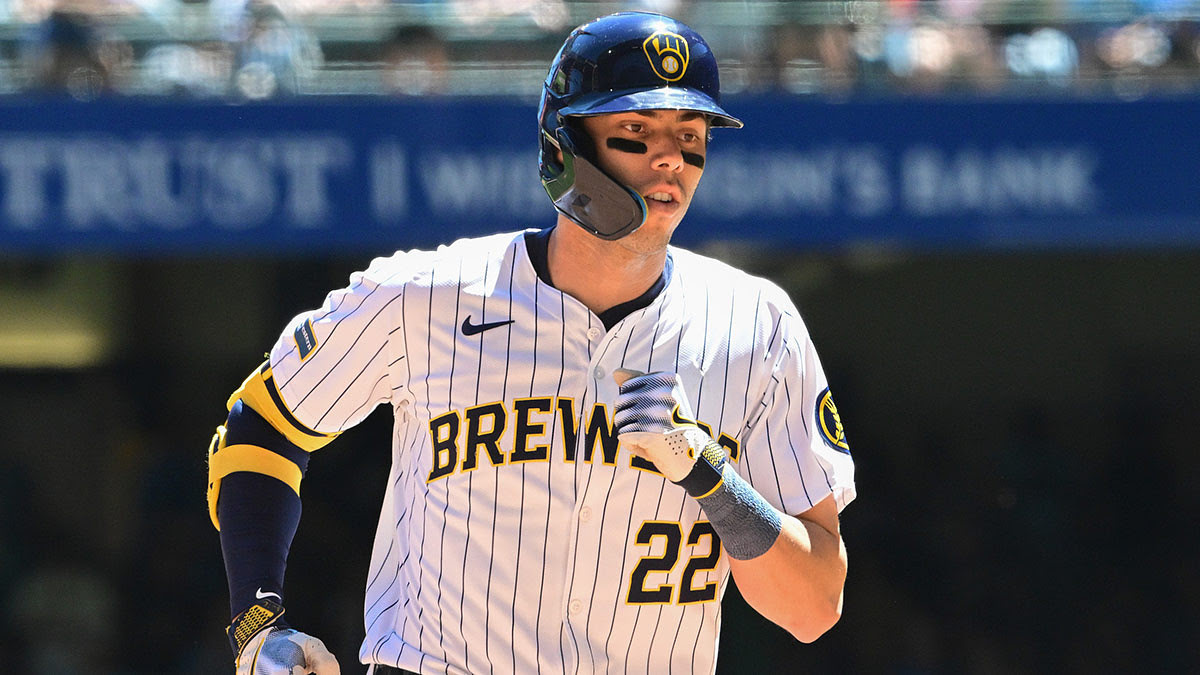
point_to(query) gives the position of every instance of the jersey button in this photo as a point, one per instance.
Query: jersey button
(599, 373)
(593, 333)
(585, 513)
(576, 606)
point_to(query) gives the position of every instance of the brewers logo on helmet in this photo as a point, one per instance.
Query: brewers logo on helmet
(668, 54)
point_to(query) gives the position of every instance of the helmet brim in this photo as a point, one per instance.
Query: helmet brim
(658, 98)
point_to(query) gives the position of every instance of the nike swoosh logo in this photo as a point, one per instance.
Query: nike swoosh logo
(262, 596)
(469, 328)
(680, 420)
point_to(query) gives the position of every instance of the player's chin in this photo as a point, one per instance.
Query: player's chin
(655, 233)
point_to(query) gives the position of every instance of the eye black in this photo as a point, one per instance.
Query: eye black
(626, 145)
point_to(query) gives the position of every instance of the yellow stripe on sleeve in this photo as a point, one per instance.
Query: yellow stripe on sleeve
(254, 459)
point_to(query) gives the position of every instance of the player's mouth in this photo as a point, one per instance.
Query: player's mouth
(662, 199)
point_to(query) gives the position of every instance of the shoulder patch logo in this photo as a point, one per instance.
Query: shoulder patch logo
(668, 54)
(306, 339)
(830, 423)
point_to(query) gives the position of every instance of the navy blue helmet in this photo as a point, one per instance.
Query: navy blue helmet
(618, 63)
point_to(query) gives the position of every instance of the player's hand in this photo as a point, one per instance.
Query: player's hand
(285, 651)
(653, 417)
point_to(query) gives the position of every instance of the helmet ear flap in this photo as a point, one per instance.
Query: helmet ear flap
(562, 137)
(571, 136)
(568, 139)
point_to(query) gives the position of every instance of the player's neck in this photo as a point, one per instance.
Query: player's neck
(600, 274)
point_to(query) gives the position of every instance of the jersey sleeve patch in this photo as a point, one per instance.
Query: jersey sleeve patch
(306, 339)
(830, 423)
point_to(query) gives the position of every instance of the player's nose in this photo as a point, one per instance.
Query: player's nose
(666, 155)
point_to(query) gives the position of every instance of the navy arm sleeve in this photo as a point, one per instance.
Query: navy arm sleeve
(258, 514)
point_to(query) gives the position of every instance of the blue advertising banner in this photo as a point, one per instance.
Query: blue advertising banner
(310, 176)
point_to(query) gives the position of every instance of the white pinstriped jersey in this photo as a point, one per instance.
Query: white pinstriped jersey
(516, 536)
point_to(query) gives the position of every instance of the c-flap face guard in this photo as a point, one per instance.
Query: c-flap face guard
(592, 199)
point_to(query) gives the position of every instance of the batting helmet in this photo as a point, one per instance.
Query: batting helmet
(617, 63)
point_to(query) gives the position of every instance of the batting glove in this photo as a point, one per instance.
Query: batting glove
(262, 647)
(654, 418)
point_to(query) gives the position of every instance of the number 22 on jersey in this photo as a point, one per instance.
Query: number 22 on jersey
(664, 562)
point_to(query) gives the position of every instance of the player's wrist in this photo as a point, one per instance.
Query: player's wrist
(264, 614)
(705, 475)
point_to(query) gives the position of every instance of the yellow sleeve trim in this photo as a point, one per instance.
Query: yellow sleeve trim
(260, 393)
(224, 460)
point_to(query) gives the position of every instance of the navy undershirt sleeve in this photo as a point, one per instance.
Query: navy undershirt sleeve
(258, 514)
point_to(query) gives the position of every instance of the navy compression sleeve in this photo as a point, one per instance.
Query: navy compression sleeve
(258, 514)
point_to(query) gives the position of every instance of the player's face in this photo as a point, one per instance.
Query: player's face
(657, 153)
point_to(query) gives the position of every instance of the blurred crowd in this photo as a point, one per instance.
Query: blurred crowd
(259, 49)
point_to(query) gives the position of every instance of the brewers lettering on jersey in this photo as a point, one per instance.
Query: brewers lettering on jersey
(593, 429)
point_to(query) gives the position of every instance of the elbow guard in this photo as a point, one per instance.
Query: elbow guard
(259, 436)
(224, 459)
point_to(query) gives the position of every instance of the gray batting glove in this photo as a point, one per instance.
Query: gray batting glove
(262, 647)
(286, 651)
(653, 417)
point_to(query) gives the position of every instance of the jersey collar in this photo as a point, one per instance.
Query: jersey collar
(537, 244)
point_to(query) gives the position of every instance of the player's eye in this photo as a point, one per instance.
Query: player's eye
(634, 127)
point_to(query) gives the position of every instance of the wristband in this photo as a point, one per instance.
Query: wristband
(746, 523)
(247, 624)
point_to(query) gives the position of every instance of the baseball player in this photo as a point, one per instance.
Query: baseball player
(593, 428)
